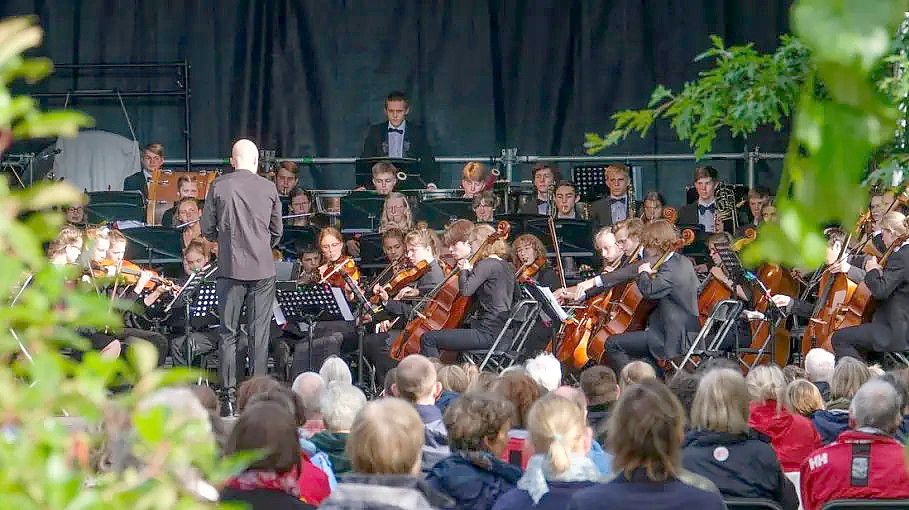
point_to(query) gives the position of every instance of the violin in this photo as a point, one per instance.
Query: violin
(402, 279)
(333, 274)
(129, 273)
(528, 271)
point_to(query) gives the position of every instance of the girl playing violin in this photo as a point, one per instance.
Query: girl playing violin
(490, 282)
(334, 260)
(531, 264)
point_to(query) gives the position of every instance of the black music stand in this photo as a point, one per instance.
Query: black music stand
(372, 256)
(575, 237)
(698, 249)
(115, 205)
(440, 212)
(296, 239)
(361, 212)
(410, 166)
(155, 246)
(308, 304)
(550, 307)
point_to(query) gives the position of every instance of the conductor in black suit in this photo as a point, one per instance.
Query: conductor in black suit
(614, 208)
(152, 159)
(674, 288)
(243, 213)
(398, 138)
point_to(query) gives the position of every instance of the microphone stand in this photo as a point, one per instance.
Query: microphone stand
(362, 306)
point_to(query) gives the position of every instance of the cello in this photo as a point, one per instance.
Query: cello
(778, 281)
(442, 308)
(860, 307)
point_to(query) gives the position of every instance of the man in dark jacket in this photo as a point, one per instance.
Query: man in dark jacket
(340, 404)
(398, 138)
(601, 388)
(417, 383)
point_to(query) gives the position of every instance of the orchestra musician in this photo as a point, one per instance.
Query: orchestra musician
(398, 138)
(300, 203)
(74, 214)
(152, 159)
(620, 247)
(484, 206)
(758, 197)
(419, 249)
(879, 202)
(673, 285)
(531, 265)
(545, 175)
(473, 179)
(310, 259)
(491, 284)
(384, 177)
(186, 188)
(703, 211)
(396, 213)
(566, 202)
(615, 207)
(286, 178)
(189, 213)
(653, 206)
(243, 215)
(742, 334)
(888, 330)
(768, 213)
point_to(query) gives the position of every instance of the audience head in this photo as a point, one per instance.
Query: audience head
(244, 155)
(386, 439)
(558, 428)
(287, 398)
(453, 378)
(848, 376)
(335, 370)
(721, 402)
(545, 370)
(340, 403)
(645, 431)
(793, 372)
(416, 381)
(206, 397)
(479, 422)
(635, 372)
(898, 379)
(819, 364)
(483, 382)
(802, 397)
(519, 389)
(396, 108)
(389, 382)
(253, 386)
(267, 426)
(876, 404)
(684, 386)
(599, 385)
(308, 386)
(765, 383)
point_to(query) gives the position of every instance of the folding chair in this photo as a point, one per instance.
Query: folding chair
(716, 327)
(499, 358)
(899, 358)
(751, 504)
(866, 504)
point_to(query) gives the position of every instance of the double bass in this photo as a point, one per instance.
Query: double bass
(778, 281)
(442, 308)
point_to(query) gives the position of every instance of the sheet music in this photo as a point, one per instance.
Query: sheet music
(338, 294)
(553, 304)
(280, 319)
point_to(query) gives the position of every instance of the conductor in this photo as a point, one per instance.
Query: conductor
(243, 213)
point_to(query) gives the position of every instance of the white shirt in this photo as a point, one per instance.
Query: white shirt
(619, 209)
(707, 218)
(396, 141)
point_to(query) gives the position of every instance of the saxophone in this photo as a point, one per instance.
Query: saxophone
(725, 207)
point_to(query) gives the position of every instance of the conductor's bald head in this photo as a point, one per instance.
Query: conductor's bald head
(245, 156)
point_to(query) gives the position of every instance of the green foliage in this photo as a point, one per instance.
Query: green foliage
(43, 463)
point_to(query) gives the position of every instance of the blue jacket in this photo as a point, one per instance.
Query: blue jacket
(475, 483)
(741, 466)
(556, 499)
(435, 446)
(445, 400)
(830, 423)
(639, 493)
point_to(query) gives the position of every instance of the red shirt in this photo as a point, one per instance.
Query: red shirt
(792, 436)
(313, 482)
(858, 465)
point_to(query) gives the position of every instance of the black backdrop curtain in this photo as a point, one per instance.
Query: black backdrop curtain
(307, 77)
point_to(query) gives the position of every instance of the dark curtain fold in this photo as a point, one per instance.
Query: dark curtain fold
(307, 77)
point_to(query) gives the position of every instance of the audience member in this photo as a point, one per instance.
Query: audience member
(340, 404)
(557, 427)
(253, 386)
(545, 370)
(472, 372)
(416, 382)
(864, 462)
(385, 450)
(270, 482)
(898, 379)
(819, 364)
(721, 448)
(793, 372)
(389, 382)
(335, 370)
(518, 388)
(635, 372)
(454, 382)
(601, 459)
(684, 386)
(601, 389)
(483, 382)
(803, 397)
(473, 475)
(308, 386)
(848, 376)
(645, 435)
(792, 436)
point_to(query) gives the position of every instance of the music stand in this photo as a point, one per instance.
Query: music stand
(550, 307)
(698, 249)
(518, 222)
(372, 256)
(308, 304)
(361, 212)
(440, 212)
(154, 246)
(575, 237)
(295, 239)
(410, 166)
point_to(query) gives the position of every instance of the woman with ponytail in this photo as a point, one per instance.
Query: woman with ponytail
(557, 427)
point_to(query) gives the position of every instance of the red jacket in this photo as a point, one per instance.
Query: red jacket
(827, 474)
(313, 482)
(792, 436)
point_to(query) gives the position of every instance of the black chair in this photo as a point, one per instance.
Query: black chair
(752, 504)
(866, 504)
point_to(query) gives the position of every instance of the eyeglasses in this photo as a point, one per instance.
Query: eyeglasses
(332, 246)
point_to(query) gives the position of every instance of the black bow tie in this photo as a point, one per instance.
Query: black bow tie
(396, 130)
(616, 200)
(704, 208)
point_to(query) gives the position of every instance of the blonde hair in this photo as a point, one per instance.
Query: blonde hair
(386, 223)
(68, 236)
(528, 239)
(479, 234)
(415, 377)
(635, 372)
(848, 376)
(421, 237)
(453, 378)
(765, 382)
(386, 438)
(802, 397)
(474, 171)
(721, 402)
(895, 222)
(557, 427)
(659, 234)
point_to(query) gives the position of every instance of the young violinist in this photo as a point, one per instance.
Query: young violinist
(335, 263)
(491, 285)
(889, 286)
(420, 251)
(531, 266)
(667, 278)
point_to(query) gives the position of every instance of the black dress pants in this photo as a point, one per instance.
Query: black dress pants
(258, 296)
(627, 347)
(857, 341)
(458, 340)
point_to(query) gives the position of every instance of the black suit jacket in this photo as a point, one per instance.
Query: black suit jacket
(601, 212)
(136, 182)
(623, 274)
(415, 146)
(243, 213)
(688, 215)
(890, 288)
(531, 206)
(675, 289)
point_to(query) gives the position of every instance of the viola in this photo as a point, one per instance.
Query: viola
(442, 308)
(528, 271)
(402, 279)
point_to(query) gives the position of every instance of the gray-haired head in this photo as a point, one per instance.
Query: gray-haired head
(876, 404)
(340, 404)
(335, 370)
(308, 386)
